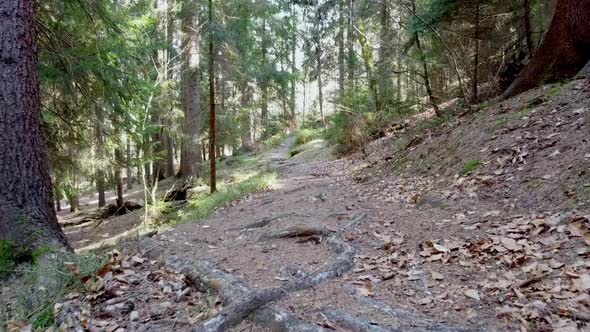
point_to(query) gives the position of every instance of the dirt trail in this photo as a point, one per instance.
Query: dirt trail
(357, 244)
(319, 198)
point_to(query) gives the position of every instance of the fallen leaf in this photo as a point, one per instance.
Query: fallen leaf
(510, 244)
(473, 294)
(366, 289)
(582, 283)
(437, 276)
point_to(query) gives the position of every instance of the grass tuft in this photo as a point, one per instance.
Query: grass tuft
(203, 205)
(470, 167)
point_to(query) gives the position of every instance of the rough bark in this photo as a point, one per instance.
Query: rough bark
(318, 58)
(527, 26)
(119, 177)
(100, 142)
(27, 214)
(564, 51)
(351, 39)
(246, 131)
(386, 53)
(475, 79)
(212, 124)
(341, 31)
(129, 164)
(190, 153)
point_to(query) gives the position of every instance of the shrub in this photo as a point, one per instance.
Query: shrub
(306, 135)
(353, 125)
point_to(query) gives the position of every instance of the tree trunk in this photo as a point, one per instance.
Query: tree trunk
(118, 177)
(426, 77)
(212, 124)
(100, 143)
(341, 29)
(351, 39)
(27, 214)
(264, 82)
(293, 98)
(385, 57)
(320, 88)
(474, 80)
(74, 202)
(246, 131)
(367, 54)
(129, 164)
(527, 26)
(564, 51)
(190, 154)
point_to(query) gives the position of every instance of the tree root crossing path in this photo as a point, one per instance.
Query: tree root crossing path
(282, 260)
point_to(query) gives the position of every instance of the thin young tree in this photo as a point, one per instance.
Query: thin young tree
(212, 143)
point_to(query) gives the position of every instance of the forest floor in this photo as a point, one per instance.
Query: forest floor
(479, 223)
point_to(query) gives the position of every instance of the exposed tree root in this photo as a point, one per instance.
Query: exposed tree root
(242, 301)
(280, 320)
(264, 222)
(351, 323)
(401, 316)
(298, 231)
(359, 218)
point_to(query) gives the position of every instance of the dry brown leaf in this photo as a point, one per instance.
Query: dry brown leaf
(366, 289)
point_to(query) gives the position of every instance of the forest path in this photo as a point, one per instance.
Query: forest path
(317, 236)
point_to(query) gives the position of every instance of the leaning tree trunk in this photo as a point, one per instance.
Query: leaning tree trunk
(27, 214)
(564, 51)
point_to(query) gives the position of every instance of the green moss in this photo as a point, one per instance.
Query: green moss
(523, 112)
(470, 167)
(39, 252)
(554, 91)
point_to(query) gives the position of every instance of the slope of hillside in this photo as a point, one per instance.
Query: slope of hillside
(531, 151)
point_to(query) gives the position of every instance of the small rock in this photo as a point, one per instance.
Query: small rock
(134, 316)
(167, 290)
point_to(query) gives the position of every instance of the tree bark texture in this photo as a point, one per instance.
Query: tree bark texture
(190, 153)
(27, 214)
(565, 48)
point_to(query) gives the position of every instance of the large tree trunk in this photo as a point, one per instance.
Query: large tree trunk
(564, 51)
(190, 153)
(27, 214)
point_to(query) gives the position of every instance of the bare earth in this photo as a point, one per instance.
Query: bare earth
(433, 251)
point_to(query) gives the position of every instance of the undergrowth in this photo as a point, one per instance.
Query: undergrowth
(203, 205)
(354, 124)
(470, 167)
(35, 288)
